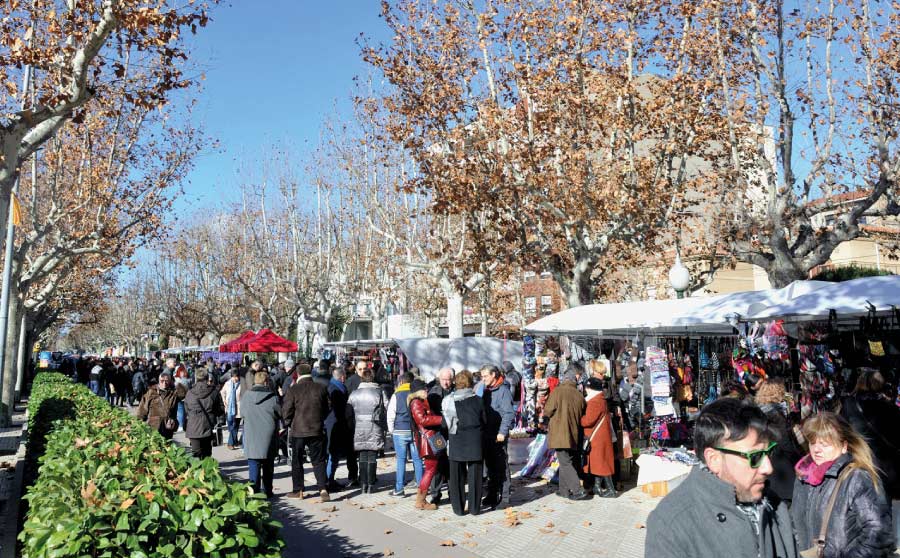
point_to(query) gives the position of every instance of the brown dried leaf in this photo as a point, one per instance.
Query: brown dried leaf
(126, 503)
(388, 552)
(640, 526)
(448, 542)
(387, 531)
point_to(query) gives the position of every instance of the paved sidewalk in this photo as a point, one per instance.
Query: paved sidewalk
(538, 523)
(12, 462)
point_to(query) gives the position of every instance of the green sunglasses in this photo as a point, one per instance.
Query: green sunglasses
(754, 458)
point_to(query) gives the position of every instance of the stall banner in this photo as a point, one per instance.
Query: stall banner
(657, 364)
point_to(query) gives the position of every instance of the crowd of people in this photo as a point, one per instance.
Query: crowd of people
(454, 429)
(767, 485)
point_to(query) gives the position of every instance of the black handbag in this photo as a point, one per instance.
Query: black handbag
(586, 443)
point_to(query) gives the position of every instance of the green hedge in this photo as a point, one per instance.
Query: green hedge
(109, 486)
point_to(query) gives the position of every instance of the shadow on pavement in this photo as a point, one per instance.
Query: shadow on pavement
(315, 537)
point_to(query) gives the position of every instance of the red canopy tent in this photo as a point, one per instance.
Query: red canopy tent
(232, 346)
(267, 341)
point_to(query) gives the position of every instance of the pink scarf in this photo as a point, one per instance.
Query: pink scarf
(810, 473)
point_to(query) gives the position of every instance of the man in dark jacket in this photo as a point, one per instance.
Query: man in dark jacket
(305, 408)
(723, 507)
(340, 437)
(203, 406)
(355, 378)
(443, 387)
(564, 408)
(498, 406)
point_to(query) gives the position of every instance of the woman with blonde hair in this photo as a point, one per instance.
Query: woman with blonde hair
(839, 509)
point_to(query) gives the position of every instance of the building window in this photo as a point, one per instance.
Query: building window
(528, 275)
(546, 305)
(530, 306)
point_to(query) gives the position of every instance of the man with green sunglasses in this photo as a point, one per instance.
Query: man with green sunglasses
(723, 507)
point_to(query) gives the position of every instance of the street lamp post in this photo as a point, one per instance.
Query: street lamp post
(679, 276)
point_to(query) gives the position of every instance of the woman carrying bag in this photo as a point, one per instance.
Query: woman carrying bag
(839, 509)
(428, 439)
(599, 456)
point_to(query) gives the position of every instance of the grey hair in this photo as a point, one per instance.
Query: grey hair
(201, 375)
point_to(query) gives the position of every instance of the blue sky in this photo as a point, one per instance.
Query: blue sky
(274, 70)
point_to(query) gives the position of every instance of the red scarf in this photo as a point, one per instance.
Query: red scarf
(496, 383)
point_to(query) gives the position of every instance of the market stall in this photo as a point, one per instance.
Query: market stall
(686, 353)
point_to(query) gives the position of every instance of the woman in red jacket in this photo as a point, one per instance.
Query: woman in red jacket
(600, 462)
(427, 425)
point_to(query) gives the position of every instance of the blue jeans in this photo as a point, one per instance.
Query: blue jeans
(94, 386)
(233, 424)
(264, 468)
(181, 414)
(403, 445)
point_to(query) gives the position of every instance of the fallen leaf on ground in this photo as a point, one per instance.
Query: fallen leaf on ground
(545, 531)
(387, 531)
(549, 525)
(470, 544)
(563, 533)
(330, 509)
(388, 552)
(639, 526)
(448, 542)
(468, 535)
(587, 523)
(525, 514)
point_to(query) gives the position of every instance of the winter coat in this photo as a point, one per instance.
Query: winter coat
(368, 434)
(202, 408)
(876, 420)
(860, 525)
(352, 382)
(601, 461)
(699, 519)
(225, 392)
(158, 405)
(498, 407)
(306, 407)
(786, 454)
(466, 438)
(339, 434)
(565, 406)
(436, 397)
(261, 415)
(139, 382)
(427, 424)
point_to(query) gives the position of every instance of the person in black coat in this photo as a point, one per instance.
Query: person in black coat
(465, 419)
(202, 406)
(787, 453)
(876, 419)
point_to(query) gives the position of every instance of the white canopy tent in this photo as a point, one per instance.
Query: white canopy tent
(849, 299)
(711, 315)
(469, 353)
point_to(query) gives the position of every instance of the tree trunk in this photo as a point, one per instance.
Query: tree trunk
(22, 359)
(783, 273)
(9, 365)
(454, 315)
(577, 289)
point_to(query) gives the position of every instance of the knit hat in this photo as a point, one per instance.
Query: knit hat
(417, 385)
